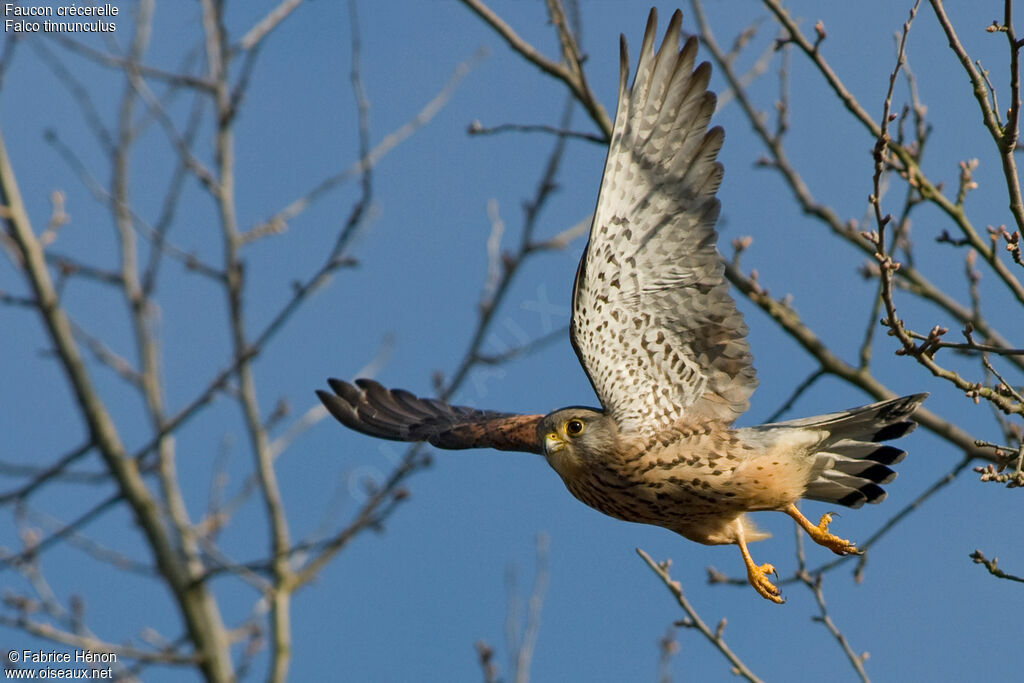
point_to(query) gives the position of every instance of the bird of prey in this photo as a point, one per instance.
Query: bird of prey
(665, 350)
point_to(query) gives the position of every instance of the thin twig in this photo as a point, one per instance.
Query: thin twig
(278, 222)
(856, 661)
(569, 73)
(108, 60)
(476, 128)
(797, 393)
(993, 568)
(44, 630)
(524, 654)
(693, 619)
(264, 26)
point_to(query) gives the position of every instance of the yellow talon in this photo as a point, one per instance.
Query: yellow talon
(758, 577)
(820, 533)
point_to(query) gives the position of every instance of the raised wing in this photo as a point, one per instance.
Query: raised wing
(398, 415)
(653, 323)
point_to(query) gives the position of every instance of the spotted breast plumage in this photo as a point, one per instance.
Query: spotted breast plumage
(665, 349)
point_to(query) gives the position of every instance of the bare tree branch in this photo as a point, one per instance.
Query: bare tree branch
(693, 619)
(992, 567)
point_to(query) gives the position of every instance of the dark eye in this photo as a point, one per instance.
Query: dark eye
(574, 427)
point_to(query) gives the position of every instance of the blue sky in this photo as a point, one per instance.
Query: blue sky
(409, 602)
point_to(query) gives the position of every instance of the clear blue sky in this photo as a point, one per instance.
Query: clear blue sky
(409, 603)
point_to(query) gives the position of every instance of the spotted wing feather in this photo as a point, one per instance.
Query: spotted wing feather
(398, 415)
(653, 323)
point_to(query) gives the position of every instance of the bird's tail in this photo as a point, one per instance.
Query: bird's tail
(851, 463)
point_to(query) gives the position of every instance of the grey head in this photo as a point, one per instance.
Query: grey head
(575, 437)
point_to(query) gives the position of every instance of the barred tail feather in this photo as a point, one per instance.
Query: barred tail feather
(852, 463)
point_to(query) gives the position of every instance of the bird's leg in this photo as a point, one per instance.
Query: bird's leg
(820, 534)
(758, 575)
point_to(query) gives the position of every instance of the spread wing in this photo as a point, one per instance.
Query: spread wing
(653, 323)
(398, 415)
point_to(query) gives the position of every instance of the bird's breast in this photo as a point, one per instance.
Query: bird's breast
(667, 483)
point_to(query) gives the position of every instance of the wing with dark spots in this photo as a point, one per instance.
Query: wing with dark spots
(398, 415)
(653, 323)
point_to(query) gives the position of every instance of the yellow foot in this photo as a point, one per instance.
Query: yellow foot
(758, 578)
(820, 533)
(821, 536)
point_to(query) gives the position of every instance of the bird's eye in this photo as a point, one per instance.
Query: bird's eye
(574, 427)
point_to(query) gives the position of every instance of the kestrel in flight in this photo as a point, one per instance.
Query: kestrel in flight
(665, 349)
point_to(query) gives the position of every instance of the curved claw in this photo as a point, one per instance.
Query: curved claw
(758, 578)
(820, 534)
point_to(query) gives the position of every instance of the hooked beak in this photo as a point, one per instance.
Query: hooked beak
(553, 443)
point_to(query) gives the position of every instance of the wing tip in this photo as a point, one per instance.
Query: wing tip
(341, 409)
(368, 407)
(652, 24)
(623, 65)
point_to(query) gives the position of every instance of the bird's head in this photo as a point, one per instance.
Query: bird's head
(573, 437)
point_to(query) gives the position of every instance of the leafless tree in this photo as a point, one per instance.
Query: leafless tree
(194, 109)
(183, 543)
